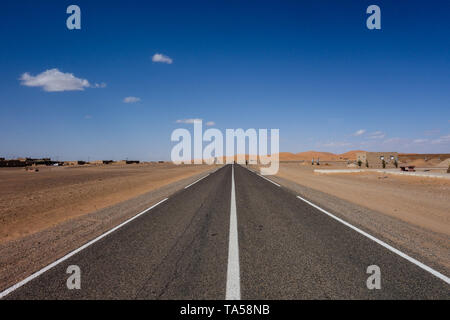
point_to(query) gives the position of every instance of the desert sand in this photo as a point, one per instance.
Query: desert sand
(420, 201)
(33, 201)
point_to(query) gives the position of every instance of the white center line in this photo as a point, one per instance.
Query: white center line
(67, 256)
(382, 243)
(233, 273)
(196, 181)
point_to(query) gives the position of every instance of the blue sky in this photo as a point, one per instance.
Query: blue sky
(310, 68)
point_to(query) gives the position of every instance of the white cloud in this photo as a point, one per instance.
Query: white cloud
(442, 140)
(376, 135)
(394, 140)
(54, 80)
(359, 132)
(159, 57)
(188, 121)
(337, 144)
(100, 85)
(131, 99)
(210, 123)
(420, 140)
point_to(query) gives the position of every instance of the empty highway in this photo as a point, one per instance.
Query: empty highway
(234, 235)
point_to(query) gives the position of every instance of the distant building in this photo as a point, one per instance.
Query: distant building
(23, 162)
(375, 159)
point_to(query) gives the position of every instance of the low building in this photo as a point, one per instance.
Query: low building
(375, 159)
(13, 163)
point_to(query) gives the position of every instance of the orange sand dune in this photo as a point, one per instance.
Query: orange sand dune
(287, 156)
(325, 156)
(350, 155)
(308, 155)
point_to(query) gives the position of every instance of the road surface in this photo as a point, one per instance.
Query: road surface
(235, 237)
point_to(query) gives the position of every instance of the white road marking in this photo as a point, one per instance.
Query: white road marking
(269, 180)
(263, 177)
(382, 243)
(67, 256)
(196, 181)
(233, 273)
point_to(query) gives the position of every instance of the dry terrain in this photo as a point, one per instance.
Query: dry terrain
(421, 201)
(33, 201)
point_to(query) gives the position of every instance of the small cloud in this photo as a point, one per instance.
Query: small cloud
(100, 85)
(188, 121)
(359, 132)
(337, 144)
(158, 57)
(210, 123)
(392, 140)
(433, 132)
(54, 80)
(420, 140)
(376, 135)
(131, 99)
(442, 140)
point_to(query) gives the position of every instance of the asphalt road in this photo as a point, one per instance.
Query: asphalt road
(285, 249)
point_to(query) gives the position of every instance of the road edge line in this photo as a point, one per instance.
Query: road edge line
(269, 180)
(383, 244)
(263, 177)
(7, 291)
(196, 181)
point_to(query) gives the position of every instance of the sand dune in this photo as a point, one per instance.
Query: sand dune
(324, 156)
(418, 160)
(350, 155)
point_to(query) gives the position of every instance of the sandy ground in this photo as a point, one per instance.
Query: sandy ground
(33, 201)
(424, 202)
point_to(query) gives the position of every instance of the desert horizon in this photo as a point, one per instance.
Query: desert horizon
(283, 156)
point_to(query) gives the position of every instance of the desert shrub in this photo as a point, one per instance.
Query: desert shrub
(383, 163)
